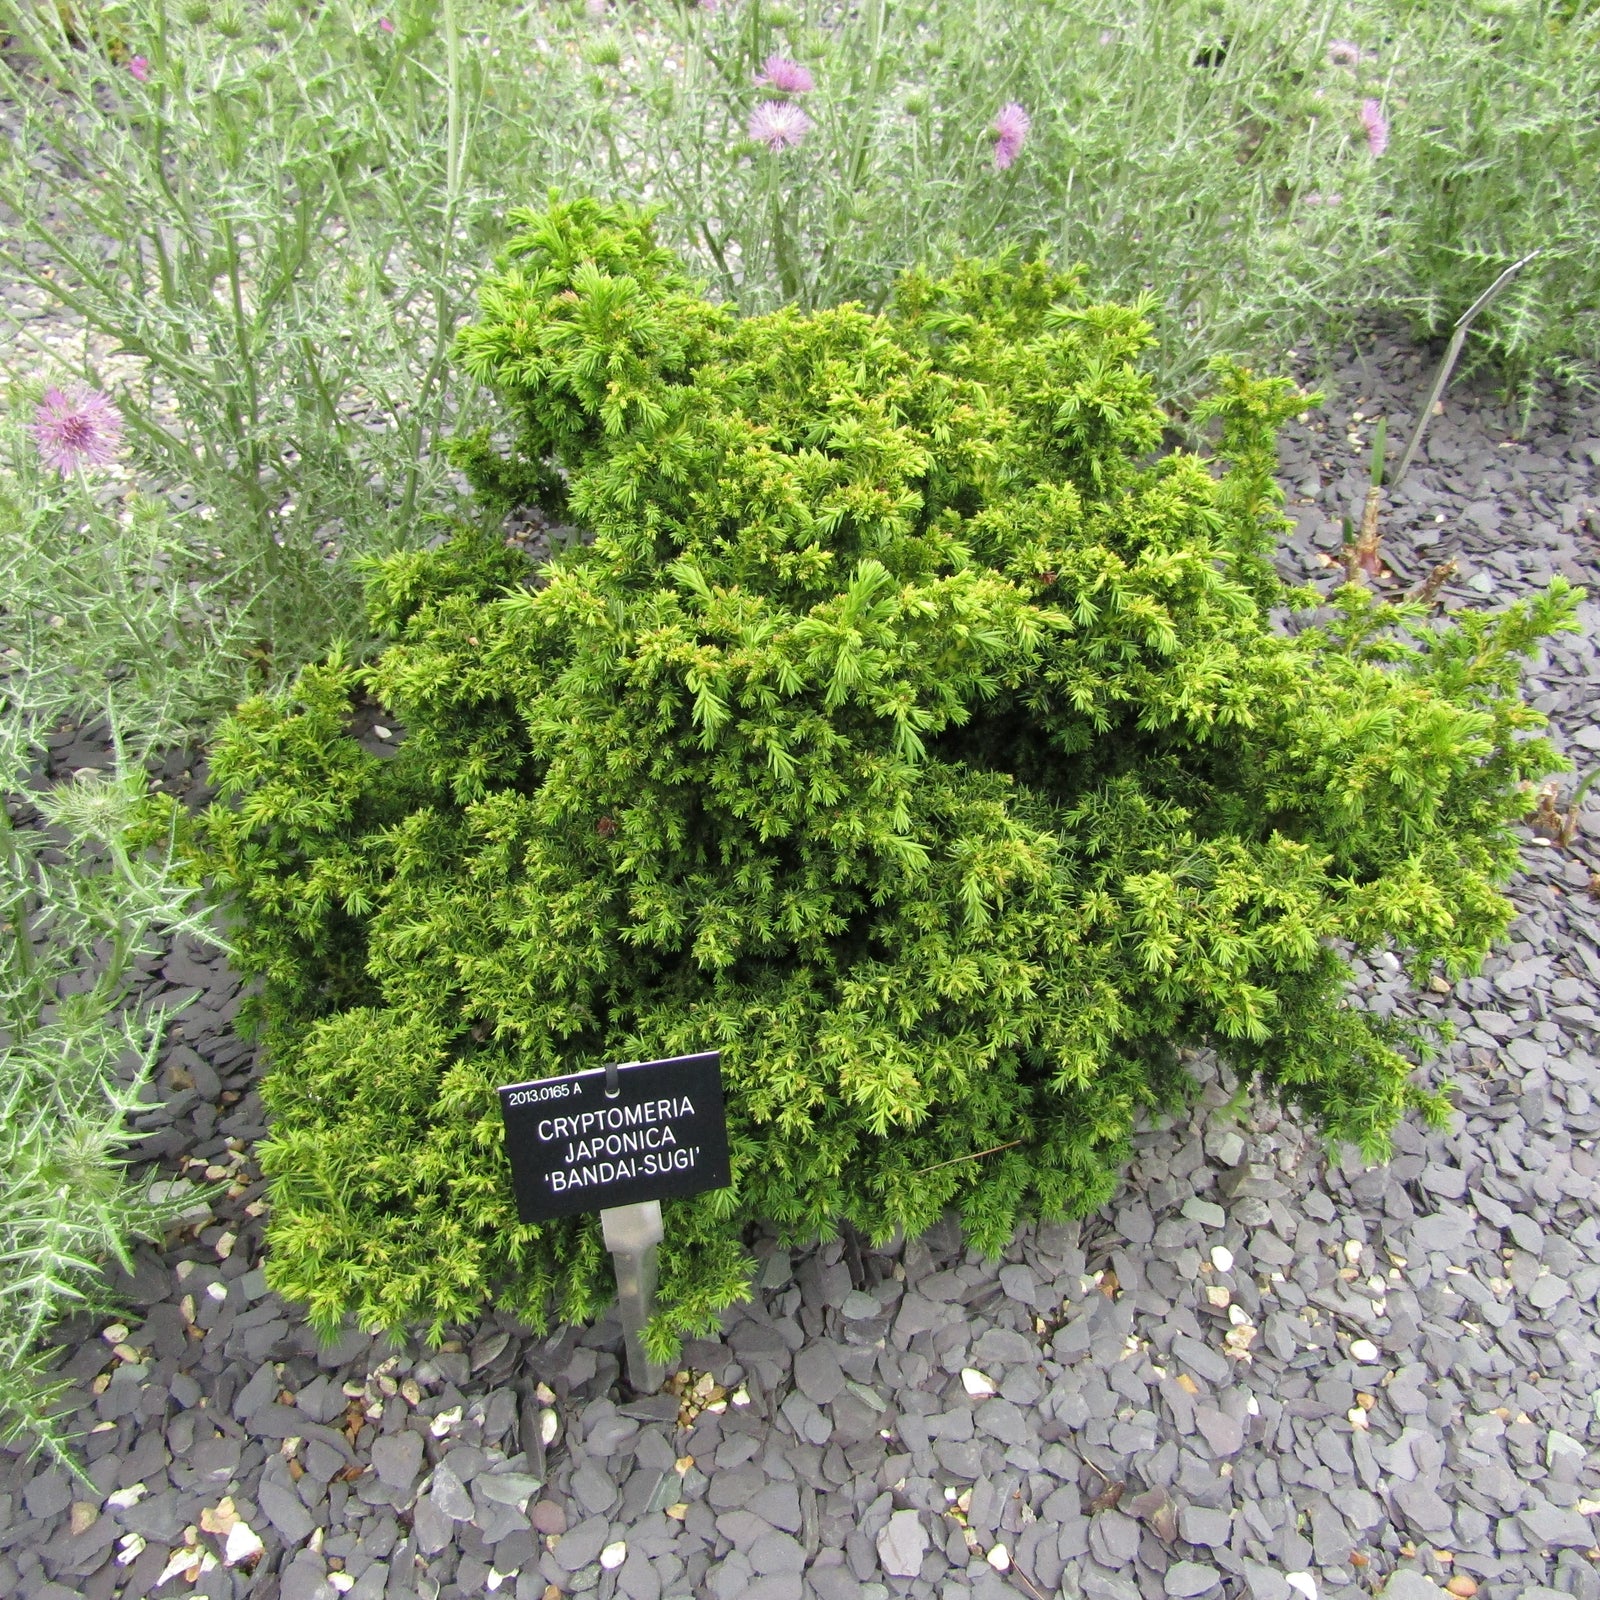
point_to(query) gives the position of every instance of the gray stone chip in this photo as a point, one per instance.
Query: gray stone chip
(1185, 1579)
(1406, 1583)
(286, 1512)
(817, 1373)
(397, 1458)
(1557, 1526)
(1223, 1433)
(1202, 1525)
(583, 1544)
(902, 1543)
(449, 1493)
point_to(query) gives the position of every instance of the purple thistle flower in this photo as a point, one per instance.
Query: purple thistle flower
(1377, 126)
(76, 428)
(786, 76)
(1010, 131)
(139, 68)
(778, 125)
(385, 25)
(709, 5)
(1344, 53)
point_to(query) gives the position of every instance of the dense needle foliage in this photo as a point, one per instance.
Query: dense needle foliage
(904, 726)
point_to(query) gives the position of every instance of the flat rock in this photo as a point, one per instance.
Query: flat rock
(817, 1373)
(306, 1578)
(1423, 1508)
(47, 1494)
(1113, 1538)
(449, 1494)
(397, 1458)
(1003, 1421)
(777, 1552)
(1002, 1347)
(1200, 1359)
(1557, 1527)
(1267, 1583)
(286, 1512)
(507, 1488)
(1099, 1584)
(902, 1543)
(1451, 1182)
(432, 1529)
(1405, 1583)
(1204, 1526)
(1223, 1433)
(1185, 1579)
(577, 1549)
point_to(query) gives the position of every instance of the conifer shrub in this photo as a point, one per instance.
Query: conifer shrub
(904, 725)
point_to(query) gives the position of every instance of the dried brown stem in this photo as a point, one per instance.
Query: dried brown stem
(1428, 590)
(956, 1161)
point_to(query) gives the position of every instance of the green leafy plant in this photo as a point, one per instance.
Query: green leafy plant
(77, 906)
(267, 221)
(115, 605)
(111, 612)
(904, 726)
(267, 228)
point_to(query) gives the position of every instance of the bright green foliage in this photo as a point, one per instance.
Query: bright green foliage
(908, 730)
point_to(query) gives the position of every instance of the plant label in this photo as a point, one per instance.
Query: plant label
(616, 1136)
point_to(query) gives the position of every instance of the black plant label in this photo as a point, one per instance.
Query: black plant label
(614, 1136)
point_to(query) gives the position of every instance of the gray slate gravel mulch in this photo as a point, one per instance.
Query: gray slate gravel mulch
(1259, 1374)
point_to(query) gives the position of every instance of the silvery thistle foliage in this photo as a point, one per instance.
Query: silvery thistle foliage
(904, 727)
(67, 1208)
(108, 612)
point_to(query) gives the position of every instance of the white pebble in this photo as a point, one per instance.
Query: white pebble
(217, 1291)
(977, 1383)
(999, 1558)
(1222, 1258)
(549, 1426)
(614, 1555)
(1304, 1582)
(1363, 1350)
(242, 1544)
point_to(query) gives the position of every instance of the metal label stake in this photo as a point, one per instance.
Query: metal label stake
(619, 1140)
(632, 1234)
